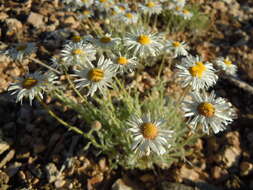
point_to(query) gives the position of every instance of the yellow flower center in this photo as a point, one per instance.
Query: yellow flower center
(86, 12)
(77, 52)
(206, 109)
(102, 1)
(105, 40)
(178, 8)
(149, 130)
(84, 1)
(185, 11)
(150, 4)
(76, 39)
(122, 8)
(21, 47)
(228, 62)
(144, 40)
(197, 70)
(122, 60)
(129, 15)
(29, 83)
(176, 44)
(95, 75)
(114, 12)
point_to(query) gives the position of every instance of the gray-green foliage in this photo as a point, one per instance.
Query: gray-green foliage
(175, 23)
(115, 109)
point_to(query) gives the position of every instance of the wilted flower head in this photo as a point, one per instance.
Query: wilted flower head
(226, 65)
(31, 85)
(21, 50)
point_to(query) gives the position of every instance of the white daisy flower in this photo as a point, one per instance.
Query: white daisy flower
(226, 65)
(104, 5)
(128, 18)
(124, 63)
(98, 78)
(20, 51)
(151, 7)
(195, 73)
(79, 39)
(186, 14)
(85, 3)
(149, 135)
(31, 85)
(78, 53)
(121, 8)
(177, 48)
(143, 43)
(209, 112)
(180, 3)
(105, 42)
(71, 4)
(85, 14)
(76, 39)
(177, 10)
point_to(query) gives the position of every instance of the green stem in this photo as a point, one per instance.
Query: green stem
(161, 67)
(155, 22)
(73, 86)
(185, 92)
(45, 65)
(67, 125)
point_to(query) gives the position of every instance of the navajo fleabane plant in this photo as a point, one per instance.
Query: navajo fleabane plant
(134, 129)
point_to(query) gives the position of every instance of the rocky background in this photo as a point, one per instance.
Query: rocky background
(37, 153)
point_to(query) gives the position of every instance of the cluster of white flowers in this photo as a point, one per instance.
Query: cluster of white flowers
(96, 60)
(203, 110)
(179, 8)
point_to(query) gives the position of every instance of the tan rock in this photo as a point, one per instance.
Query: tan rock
(233, 138)
(147, 178)
(35, 19)
(220, 6)
(245, 168)
(7, 158)
(59, 183)
(4, 146)
(121, 185)
(3, 16)
(217, 172)
(231, 156)
(14, 26)
(71, 21)
(188, 174)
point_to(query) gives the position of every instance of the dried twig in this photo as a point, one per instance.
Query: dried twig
(239, 83)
